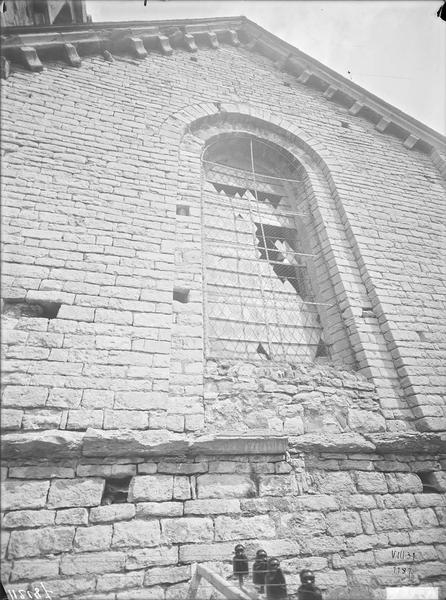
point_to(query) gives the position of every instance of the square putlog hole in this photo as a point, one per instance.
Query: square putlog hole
(181, 295)
(183, 210)
(116, 490)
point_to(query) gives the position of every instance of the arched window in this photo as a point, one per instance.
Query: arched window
(260, 296)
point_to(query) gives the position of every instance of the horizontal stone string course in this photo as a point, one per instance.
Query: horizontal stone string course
(331, 512)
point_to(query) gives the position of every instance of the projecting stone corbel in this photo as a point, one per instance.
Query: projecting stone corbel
(136, 47)
(356, 108)
(29, 58)
(330, 92)
(282, 62)
(5, 68)
(108, 56)
(164, 44)
(304, 77)
(211, 38)
(189, 42)
(410, 141)
(71, 55)
(382, 124)
(232, 37)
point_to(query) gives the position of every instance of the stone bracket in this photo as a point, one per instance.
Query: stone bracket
(5, 67)
(356, 107)
(330, 92)
(410, 141)
(71, 55)
(28, 57)
(136, 47)
(164, 44)
(212, 39)
(189, 42)
(305, 76)
(382, 124)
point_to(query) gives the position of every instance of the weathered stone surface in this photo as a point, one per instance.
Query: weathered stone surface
(35, 444)
(133, 443)
(209, 507)
(408, 442)
(32, 542)
(92, 563)
(230, 528)
(76, 492)
(151, 487)
(277, 485)
(159, 509)
(167, 575)
(150, 557)
(204, 552)
(344, 523)
(119, 581)
(24, 494)
(422, 517)
(371, 483)
(93, 538)
(389, 520)
(181, 468)
(136, 533)
(32, 569)
(112, 513)
(336, 483)
(72, 516)
(181, 488)
(187, 529)
(366, 421)
(341, 442)
(28, 518)
(403, 482)
(224, 486)
(71, 587)
(39, 472)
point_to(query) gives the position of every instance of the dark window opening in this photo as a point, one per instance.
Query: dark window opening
(367, 312)
(261, 350)
(183, 210)
(345, 125)
(181, 295)
(268, 236)
(322, 350)
(430, 486)
(116, 490)
(43, 310)
(233, 190)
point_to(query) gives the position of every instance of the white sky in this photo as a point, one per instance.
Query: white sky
(393, 48)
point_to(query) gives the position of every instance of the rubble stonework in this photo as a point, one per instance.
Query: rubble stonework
(110, 387)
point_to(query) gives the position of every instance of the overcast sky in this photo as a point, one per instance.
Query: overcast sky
(394, 48)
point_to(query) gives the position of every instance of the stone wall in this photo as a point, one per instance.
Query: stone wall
(361, 521)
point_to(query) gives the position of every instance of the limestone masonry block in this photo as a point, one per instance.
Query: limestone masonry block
(112, 513)
(209, 507)
(24, 494)
(187, 529)
(151, 557)
(40, 542)
(75, 492)
(225, 486)
(151, 487)
(33, 569)
(72, 516)
(403, 482)
(28, 518)
(344, 523)
(93, 538)
(390, 520)
(92, 563)
(371, 483)
(236, 528)
(136, 533)
(159, 509)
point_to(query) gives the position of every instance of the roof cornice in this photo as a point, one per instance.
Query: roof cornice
(30, 45)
